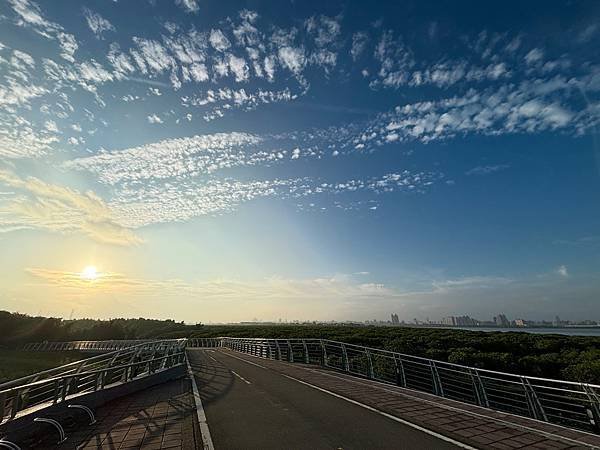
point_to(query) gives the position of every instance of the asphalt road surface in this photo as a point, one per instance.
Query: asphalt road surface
(250, 407)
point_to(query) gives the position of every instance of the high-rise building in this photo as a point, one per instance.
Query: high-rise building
(450, 320)
(501, 321)
(395, 320)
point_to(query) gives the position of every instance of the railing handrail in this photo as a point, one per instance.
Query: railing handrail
(436, 361)
(567, 403)
(576, 404)
(86, 360)
(82, 374)
(358, 346)
(91, 374)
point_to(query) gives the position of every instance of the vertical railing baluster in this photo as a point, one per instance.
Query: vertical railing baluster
(400, 374)
(371, 373)
(593, 411)
(478, 399)
(533, 403)
(15, 403)
(324, 353)
(437, 382)
(2, 406)
(345, 358)
(306, 357)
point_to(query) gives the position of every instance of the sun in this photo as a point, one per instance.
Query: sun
(89, 273)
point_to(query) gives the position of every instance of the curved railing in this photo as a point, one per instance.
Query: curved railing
(90, 374)
(91, 346)
(572, 404)
(204, 342)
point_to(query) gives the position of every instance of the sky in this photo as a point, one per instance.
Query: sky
(213, 161)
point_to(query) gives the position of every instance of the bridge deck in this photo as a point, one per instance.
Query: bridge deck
(259, 403)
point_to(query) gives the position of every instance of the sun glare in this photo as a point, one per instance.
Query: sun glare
(89, 273)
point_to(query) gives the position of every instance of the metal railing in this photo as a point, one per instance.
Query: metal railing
(203, 342)
(91, 346)
(571, 404)
(91, 374)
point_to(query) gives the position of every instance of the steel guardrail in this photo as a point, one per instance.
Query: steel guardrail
(91, 374)
(566, 403)
(91, 346)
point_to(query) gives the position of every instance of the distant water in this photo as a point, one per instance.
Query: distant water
(572, 331)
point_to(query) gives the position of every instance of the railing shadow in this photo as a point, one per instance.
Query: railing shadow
(214, 379)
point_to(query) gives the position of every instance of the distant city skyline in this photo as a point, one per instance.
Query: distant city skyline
(221, 161)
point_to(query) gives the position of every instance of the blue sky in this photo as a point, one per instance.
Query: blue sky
(223, 161)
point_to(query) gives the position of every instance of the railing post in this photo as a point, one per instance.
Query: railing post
(2, 405)
(345, 357)
(483, 392)
(291, 351)
(56, 391)
(371, 368)
(593, 411)
(306, 357)
(535, 407)
(437, 382)
(15, 404)
(324, 353)
(66, 383)
(278, 350)
(400, 375)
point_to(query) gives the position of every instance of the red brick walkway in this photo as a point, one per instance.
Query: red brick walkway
(162, 417)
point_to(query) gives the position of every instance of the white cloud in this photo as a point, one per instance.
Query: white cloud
(155, 56)
(30, 14)
(19, 140)
(562, 271)
(529, 107)
(51, 126)
(218, 40)
(325, 30)
(97, 23)
(175, 157)
(534, 56)
(182, 198)
(485, 170)
(359, 44)
(246, 34)
(293, 58)
(239, 68)
(40, 205)
(395, 61)
(269, 67)
(190, 6)
(198, 72)
(121, 62)
(92, 71)
(153, 118)
(229, 99)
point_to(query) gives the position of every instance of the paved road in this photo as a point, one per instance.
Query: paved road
(250, 407)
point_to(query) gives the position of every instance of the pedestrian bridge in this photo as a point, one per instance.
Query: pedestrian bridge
(286, 393)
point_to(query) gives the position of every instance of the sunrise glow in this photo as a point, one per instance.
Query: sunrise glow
(89, 273)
